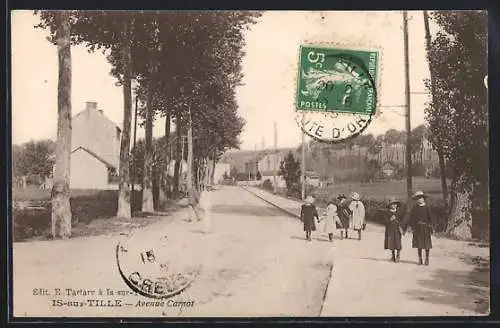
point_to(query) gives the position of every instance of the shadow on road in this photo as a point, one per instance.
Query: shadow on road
(387, 260)
(463, 289)
(248, 210)
(324, 239)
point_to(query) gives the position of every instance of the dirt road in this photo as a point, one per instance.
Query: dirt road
(255, 262)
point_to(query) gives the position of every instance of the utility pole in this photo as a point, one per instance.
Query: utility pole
(303, 166)
(274, 157)
(254, 164)
(444, 186)
(407, 100)
(135, 139)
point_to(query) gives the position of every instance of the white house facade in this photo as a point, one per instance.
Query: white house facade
(88, 171)
(95, 150)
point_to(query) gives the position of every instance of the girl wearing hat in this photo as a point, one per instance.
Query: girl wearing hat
(421, 222)
(332, 221)
(358, 214)
(344, 215)
(393, 222)
(307, 214)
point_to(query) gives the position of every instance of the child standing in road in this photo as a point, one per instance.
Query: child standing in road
(308, 213)
(393, 223)
(205, 204)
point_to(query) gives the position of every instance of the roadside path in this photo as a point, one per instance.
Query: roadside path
(365, 283)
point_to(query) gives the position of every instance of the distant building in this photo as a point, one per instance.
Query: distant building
(220, 169)
(269, 165)
(312, 178)
(95, 150)
(252, 166)
(388, 170)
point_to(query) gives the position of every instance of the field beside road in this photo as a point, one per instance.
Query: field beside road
(382, 190)
(375, 197)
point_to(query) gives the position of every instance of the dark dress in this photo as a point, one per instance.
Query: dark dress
(344, 214)
(392, 238)
(421, 222)
(307, 214)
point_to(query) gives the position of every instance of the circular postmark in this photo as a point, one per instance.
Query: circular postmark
(155, 269)
(336, 92)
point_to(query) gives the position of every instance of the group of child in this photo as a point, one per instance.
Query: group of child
(341, 214)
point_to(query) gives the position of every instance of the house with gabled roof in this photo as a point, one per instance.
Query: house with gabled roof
(95, 150)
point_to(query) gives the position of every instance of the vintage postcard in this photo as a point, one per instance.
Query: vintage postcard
(173, 164)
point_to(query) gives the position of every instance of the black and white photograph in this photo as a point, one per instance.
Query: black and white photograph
(249, 164)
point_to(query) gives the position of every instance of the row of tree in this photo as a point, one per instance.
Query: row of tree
(375, 144)
(458, 113)
(366, 153)
(186, 66)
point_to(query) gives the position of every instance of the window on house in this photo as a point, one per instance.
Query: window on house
(112, 175)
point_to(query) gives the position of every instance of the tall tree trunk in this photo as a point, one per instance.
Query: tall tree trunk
(460, 221)
(442, 174)
(212, 176)
(166, 159)
(178, 157)
(208, 172)
(147, 191)
(155, 183)
(190, 160)
(61, 208)
(124, 206)
(132, 163)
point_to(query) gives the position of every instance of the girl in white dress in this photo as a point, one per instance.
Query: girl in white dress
(332, 220)
(205, 204)
(358, 214)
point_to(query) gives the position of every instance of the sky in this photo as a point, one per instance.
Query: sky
(269, 67)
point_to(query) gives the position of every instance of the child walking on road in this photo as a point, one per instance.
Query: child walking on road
(421, 222)
(358, 214)
(393, 223)
(308, 213)
(332, 220)
(344, 215)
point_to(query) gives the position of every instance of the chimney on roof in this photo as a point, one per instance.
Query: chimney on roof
(91, 105)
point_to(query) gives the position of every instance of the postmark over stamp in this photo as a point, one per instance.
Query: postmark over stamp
(336, 91)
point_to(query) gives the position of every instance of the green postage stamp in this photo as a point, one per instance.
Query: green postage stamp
(336, 91)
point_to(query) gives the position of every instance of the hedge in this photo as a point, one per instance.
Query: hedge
(35, 220)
